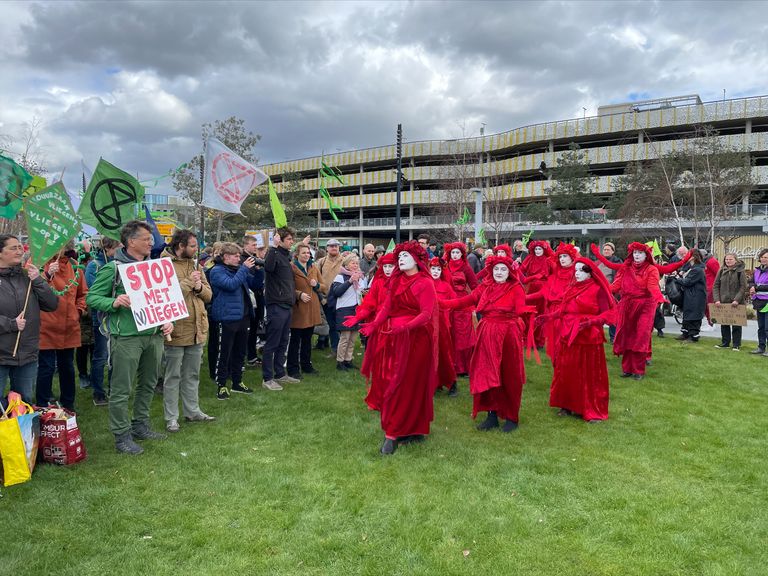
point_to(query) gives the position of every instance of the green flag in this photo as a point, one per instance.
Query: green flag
(51, 222)
(110, 200)
(331, 172)
(277, 209)
(37, 184)
(655, 250)
(13, 181)
(465, 217)
(391, 246)
(527, 237)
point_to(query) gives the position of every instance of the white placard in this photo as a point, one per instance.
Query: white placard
(154, 291)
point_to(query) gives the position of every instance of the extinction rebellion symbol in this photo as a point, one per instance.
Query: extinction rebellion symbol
(232, 179)
(110, 194)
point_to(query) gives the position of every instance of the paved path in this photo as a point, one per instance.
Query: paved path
(748, 333)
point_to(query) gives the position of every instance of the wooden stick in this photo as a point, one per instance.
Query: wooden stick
(24, 311)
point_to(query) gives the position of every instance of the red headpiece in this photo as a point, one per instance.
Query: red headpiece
(643, 248)
(491, 261)
(385, 259)
(505, 247)
(541, 243)
(450, 246)
(416, 250)
(565, 248)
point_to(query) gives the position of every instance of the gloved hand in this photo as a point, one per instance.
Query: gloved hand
(350, 321)
(368, 329)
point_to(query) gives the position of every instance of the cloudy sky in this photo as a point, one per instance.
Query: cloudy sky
(133, 81)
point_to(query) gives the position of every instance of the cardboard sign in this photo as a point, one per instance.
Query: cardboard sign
(154, 291)
(728, 315)
(263, 237)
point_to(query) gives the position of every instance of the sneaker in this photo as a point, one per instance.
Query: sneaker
(736, 349)
(509, 426)
(241, 388)
(125, 444)
(349, 365)
(491, 422)
(271, 385)
(453, 391)
(85, 382)
(253, 362)
(682, 337)
(310, 370)
(341, 366)
(223, 393)
(389, 447)
(100, 402)
(758, 351)
(288, 380)
(142, 431)
(722, 345)
(200, 417)
(172, 426)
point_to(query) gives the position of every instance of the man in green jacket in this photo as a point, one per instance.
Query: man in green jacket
(132, 352)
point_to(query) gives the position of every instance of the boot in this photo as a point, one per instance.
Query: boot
(453, 391)
(142, 431)
(125, 444)
(341, 366)
(491, 422)
(349, 365)
(509, 426)
(389, 447)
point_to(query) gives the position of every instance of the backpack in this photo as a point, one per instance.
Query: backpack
(673, 291)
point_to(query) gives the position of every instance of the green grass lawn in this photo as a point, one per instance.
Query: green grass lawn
(675, 482)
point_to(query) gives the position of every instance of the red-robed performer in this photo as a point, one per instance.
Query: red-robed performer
(535, 270)
(403, 350)
(497, 372)
(500, 250)
(366, 312)
(557, 283)
(580, 378)
(446, 373)
(463, 281)
(637, 281)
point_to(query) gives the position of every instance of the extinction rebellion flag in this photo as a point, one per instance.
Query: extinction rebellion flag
(228, 178)
(110, 200)
(13, 181)
(51, 222)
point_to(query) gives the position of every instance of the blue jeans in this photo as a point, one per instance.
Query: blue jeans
(330, 317)
(22, 380)
(761, 324)
(278, 332)
(98, 362)
(51, 361)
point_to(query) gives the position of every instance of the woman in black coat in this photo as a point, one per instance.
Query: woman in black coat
(694, 286)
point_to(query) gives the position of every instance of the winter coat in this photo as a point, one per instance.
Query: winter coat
(13, 292)
(329, 269)
(231, 302)
(731, 284)
(307, 314)
(347, 299)
(194, 328)
(61, 329)
(694, 285)
(105, 289)
(279, 287)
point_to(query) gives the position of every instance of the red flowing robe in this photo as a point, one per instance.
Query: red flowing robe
(552, 293)
(446, 373)
(536, 270)
(366, 311)
(580, 379)
(496, 371)
(639, 289)
(463, 280)
(405, 363)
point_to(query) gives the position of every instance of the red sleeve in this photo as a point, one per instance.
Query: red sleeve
(464, 302)
(482, 274)
(470, 275)
(616, 284)
(425, 295)
(652, 284)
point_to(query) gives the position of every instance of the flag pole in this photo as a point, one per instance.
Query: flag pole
(202, 208)
(23, 312)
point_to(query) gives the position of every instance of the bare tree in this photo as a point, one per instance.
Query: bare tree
(457, 176)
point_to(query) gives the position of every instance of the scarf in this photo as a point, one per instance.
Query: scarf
(345, 272)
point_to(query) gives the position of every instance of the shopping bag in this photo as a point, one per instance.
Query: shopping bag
(60, 440)
(19, 441)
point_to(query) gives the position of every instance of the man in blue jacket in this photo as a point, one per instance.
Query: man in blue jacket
(230, 318)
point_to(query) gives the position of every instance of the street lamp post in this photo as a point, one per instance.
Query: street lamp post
(478, 212)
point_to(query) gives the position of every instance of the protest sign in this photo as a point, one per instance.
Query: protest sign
(154, 291)
(263, 237)
(51, 222)
(728, 315)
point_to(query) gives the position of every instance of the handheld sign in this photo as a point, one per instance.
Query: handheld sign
(728, 315)
(154, 291)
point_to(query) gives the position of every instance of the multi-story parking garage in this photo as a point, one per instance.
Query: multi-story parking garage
(508, 166)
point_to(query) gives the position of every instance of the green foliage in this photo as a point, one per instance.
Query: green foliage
(539, 213)
(292, 483)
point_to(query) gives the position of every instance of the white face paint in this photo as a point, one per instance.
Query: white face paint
(501, 253)
(565, 260)
(388, 269)
(405, 261)
(539, 251)
(639, 256)
(500, 273)
(580, 273)
(455, 254)
(436, 271)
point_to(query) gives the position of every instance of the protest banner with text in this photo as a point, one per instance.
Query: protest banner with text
(154, 291)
